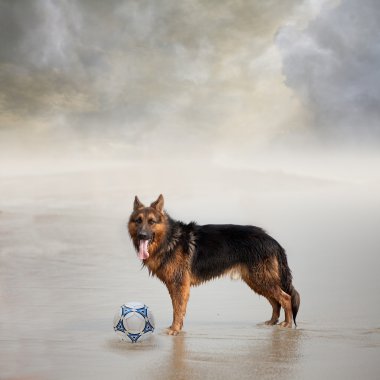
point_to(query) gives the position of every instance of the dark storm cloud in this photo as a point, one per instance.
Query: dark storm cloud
(131, 64)
(334, 65)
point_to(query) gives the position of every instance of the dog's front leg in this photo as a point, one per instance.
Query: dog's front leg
(179, 293)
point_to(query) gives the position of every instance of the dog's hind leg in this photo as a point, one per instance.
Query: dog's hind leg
(285, 301)
(265, 281)
(276, 311)
(249, 279)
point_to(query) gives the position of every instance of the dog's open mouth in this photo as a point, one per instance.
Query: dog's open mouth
(143, 253)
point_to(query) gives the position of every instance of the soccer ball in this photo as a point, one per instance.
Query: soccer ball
(134, 322)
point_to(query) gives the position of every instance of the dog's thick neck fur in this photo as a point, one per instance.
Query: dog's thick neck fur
(179, 236)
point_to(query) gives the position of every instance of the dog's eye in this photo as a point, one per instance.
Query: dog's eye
(151, 221)
(138, 221)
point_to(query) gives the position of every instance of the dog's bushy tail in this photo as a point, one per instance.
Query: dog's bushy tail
(296, 300)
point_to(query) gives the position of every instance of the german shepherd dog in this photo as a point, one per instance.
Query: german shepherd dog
(184, 255)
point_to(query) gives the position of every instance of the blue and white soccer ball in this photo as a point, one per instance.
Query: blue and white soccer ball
(134, 322)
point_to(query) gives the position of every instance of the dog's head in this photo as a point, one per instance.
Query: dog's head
(147, 226)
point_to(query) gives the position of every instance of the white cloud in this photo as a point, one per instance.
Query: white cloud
(333, 64)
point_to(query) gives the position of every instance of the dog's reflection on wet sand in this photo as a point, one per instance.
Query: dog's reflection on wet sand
(274, 351)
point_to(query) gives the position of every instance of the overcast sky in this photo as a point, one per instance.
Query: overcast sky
(182, 75)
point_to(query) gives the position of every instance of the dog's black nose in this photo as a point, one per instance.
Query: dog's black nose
(143, 236)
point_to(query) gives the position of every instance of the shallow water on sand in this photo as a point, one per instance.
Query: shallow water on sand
(66, 264)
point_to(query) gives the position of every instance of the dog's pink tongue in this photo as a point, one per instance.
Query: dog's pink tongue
(143, 249)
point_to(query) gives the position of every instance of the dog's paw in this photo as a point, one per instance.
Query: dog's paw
(271, 322)
(286, 324)
(171, 331)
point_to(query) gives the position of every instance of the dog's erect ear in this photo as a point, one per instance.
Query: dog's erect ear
(137, 204)
(158, 204)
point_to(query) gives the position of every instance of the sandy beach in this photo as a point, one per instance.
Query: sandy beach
(66, 265)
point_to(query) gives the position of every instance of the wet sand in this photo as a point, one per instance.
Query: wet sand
(66, 264)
